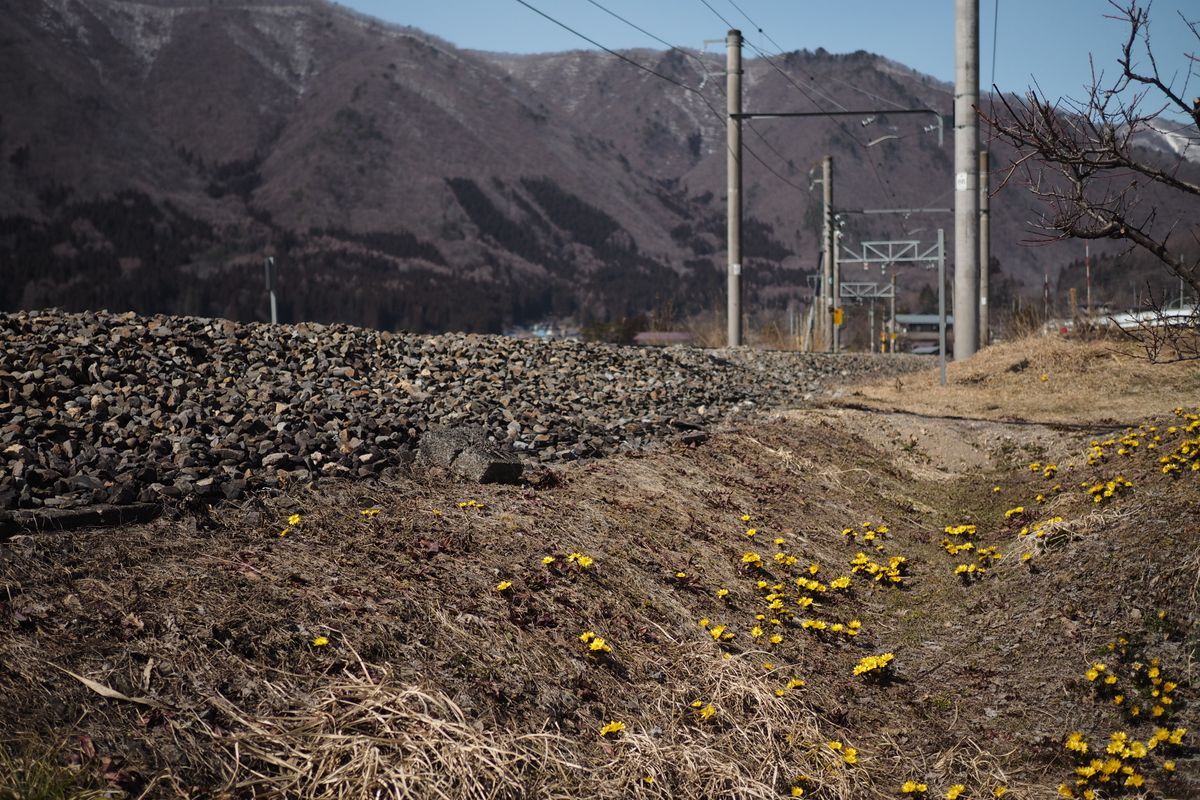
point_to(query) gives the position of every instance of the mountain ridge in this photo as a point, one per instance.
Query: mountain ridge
(403, 182)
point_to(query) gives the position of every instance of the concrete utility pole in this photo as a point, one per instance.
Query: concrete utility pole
(1087, 268)
(966, 178)
(733, 128)
(941, 250)
(891, 348)
(269, 274)
(838, 314)
(985, 246)
(830, 244)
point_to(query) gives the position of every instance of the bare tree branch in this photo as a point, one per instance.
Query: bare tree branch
(1083, 160)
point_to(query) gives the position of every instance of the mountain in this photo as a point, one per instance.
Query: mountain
(153, 152)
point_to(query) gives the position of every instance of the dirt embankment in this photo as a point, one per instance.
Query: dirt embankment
(778, 610)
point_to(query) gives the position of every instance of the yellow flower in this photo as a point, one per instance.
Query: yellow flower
(1169, 766)
(548, 559)
(912, 787)
(797, 791)
(954, 791)
(745, 517)
(584, 561)
(681, 575)
(1077, 743)
(599, 645)
(776, 639)
(707, 712)
(850, 755)
(503, 586)
(999, 791)
(612, 727)
(369, 512)
(294, 519)
(751, 531)
(835, 745)
(320, 641)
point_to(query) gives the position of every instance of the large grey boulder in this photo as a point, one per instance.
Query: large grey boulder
(466, 453)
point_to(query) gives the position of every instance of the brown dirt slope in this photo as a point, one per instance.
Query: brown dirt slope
(410, 639)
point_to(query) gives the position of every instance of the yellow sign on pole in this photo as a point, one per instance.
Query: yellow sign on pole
(838, 315)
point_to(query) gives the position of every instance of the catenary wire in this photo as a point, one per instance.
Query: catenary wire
(666, 78)
(884, 187)
(700, 61)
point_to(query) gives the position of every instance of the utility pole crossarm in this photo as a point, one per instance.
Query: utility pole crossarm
(941, 120)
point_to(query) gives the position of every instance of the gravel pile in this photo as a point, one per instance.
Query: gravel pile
(116, 408)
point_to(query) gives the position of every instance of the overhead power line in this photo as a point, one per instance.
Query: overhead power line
(885, 187)
(610, 51)
(657, 74)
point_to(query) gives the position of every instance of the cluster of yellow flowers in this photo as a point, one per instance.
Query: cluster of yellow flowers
(579, 559)
(471, 504)
(1123, 767)
(1132, 684)
(1042, 527)
(869, 532)
(912, 787)
(849, 629)
(963, 544)
(875, 666)
(849, 754)
(1104, 491)
(370, 513)
(1186, 456)
(704, 711)
(1145, 690)
(891, 572)
(1012, 512)
(1047, 470)
(752, 559)
(595, 644)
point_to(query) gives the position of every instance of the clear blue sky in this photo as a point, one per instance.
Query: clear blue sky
(1046, 40)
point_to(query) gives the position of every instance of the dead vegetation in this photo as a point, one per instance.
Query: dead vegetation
(407, 639)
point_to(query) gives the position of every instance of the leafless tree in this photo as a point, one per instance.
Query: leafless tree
(1082, 159)
(1164, 334)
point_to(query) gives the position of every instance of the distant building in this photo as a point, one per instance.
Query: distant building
(918, 333)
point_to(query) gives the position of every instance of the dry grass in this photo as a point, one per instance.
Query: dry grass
(434, 684)
(368, 737)
(361, 738)
(1102, 382)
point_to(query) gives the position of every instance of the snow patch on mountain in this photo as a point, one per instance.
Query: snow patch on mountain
(1173, 138)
